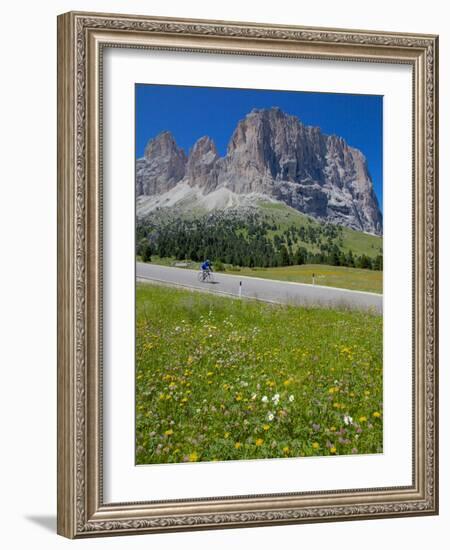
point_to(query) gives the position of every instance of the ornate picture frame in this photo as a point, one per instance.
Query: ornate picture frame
(82, 39)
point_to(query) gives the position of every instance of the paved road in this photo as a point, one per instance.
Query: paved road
(264, 289)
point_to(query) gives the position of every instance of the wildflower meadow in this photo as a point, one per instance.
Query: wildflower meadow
(219, 379)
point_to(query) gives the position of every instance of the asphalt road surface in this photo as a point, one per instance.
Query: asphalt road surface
(263, 289)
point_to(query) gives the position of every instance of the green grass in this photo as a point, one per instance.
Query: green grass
(357, 241)
(170, 262)
(326, 275)
(224, 379)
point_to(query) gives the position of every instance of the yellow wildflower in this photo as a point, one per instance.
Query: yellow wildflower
(237, 445)
(193, 457)
(376, 414)
(363, 418)
(333, 450)
(259, 442)
(266, 427)
(168, 432)
(315, 445)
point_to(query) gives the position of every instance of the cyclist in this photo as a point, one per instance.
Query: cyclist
(206, 267)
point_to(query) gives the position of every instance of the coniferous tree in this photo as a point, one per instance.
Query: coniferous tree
(146, 252)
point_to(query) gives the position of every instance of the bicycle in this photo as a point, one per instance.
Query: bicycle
(205, 276)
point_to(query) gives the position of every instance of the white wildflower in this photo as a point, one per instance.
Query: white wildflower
(264, 399)
(348, 419)
(270, 417)
(291, 398)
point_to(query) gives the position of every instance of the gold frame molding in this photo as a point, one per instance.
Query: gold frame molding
(81, 39)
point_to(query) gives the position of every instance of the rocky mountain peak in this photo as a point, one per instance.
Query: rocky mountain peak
(261, 125)
(203, 146)
(163, 165)
(163, 144)
(274, 154)
(201, 162)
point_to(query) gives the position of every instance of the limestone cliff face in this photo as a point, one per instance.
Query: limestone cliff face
(163, 166)
(202, 160)
(271, 153)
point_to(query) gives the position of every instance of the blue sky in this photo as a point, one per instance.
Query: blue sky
(192, 112)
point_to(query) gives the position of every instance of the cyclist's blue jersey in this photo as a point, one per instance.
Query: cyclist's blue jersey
(205, 265)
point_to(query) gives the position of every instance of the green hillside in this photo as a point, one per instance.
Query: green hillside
(266, 235)
(284, 217)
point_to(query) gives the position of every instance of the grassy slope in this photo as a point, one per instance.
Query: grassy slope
(325, 275)
(357, 241)
(205, 363)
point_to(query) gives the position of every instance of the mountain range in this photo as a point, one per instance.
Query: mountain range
(271, 156)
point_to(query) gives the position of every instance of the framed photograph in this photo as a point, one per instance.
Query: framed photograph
(247, 274)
